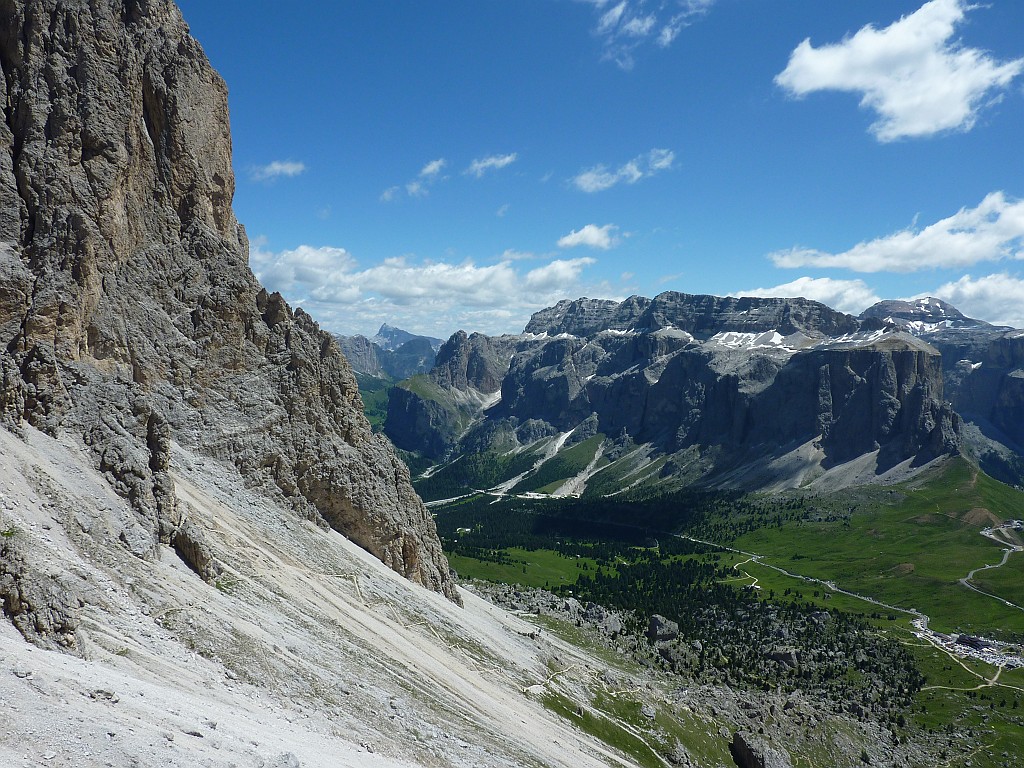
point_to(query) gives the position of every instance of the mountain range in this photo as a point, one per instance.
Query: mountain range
(753, 393)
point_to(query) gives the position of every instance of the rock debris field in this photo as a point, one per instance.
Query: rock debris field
(306, 651)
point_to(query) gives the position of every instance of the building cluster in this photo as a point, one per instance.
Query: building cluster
(989, 651)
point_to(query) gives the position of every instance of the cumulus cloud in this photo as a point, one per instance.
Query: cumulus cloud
(482, 165)
(592, 236)
(992, 231)
(558, 273)
(601, 177)
(433, 297)
(852, 296)
(913, 74)
(994, 298)
(276, 170)
(623, 27)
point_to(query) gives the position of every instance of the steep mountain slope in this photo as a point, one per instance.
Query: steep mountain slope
(749, 392)
(983, 367)
(128, 313)
(306, 651)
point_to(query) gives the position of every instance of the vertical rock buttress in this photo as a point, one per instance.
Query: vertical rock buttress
(128, 312)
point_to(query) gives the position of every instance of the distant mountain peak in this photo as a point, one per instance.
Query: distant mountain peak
(390, 337)
(921, 315)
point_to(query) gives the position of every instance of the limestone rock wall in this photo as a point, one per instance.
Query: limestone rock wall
(128, 313)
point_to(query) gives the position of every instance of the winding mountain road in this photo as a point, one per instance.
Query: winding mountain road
(989, 533)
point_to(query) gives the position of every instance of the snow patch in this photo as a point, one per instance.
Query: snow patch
(739, 340)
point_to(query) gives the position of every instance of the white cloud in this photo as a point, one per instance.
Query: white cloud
(600, 177)
(433, 168)
(276, 169)
(610, 19)
(639, 26)
(851, 296)
(303, 271)
(625, 26)
(912, 74)
(511, 254)
(660, 159)
(423, 296)
(482, 165)
(991, 232)
(558, 273)
(420, 186)
(998, 298)
(592, 236)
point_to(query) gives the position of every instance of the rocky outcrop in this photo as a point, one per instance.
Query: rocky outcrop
(430, 414)
(390, 338)
(430, 424)
(128, 311)
(43, 607)
(660, 629)
(927, 311)
(474, 361)
(886, 396)
(362, 354)
(674, 393)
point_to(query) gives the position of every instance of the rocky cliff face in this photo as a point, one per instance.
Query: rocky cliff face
(431, 414)
(362, 354)
(128, 314)
(475, 361)
(983, 371)
(732, 381)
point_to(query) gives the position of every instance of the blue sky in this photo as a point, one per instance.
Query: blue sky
(463, 163)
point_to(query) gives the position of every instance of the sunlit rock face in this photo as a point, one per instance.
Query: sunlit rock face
(128, 312)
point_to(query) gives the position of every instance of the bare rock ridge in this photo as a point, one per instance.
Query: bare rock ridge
(724, 384)
(129, 317)
(701, 316)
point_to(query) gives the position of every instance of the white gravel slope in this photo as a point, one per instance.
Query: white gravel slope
(308, 651)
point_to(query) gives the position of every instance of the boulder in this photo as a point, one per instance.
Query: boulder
(660, 629)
